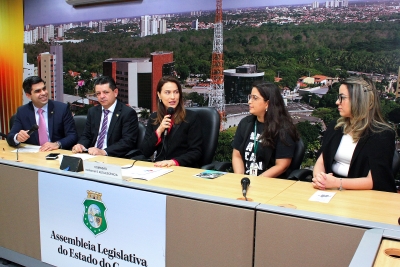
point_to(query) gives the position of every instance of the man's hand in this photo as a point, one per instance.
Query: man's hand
(96, 151)
(22, 136)
(78, 148)
(48, 146)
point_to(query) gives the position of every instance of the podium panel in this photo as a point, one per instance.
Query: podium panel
(207, 234)
(291, 241)
(19, 206)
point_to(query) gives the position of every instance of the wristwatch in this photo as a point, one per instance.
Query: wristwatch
(59, 144)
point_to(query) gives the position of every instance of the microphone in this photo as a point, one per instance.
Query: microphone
(245, 185)
(33, 129)
(170, 111)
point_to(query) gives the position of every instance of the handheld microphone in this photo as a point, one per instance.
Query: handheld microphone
(33, 129)
(245, 185)
(170, 111)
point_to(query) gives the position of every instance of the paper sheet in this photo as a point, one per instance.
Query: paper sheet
(322, 196)
(144, 173)
(27, 149)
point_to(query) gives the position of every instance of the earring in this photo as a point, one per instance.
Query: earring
(266, 109)
(160, 100)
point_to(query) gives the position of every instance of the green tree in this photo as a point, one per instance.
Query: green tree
(329, 99)
(387, 106)
(326, 114)
(310, 134)
(196, 98)
(84, 110)
(183, 71)
(224, 147)
(69, 84)
(311, 99)
(394, 115)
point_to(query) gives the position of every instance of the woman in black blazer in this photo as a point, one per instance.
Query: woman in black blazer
(357, 150)
(173, 136)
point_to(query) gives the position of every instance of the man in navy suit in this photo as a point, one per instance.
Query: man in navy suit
(111, 127)
(58, 126)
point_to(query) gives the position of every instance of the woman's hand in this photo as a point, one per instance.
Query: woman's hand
(165, 163)
(324, 181)
(165, 124)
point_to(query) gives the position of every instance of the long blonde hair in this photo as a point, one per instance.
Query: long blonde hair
(365, 109)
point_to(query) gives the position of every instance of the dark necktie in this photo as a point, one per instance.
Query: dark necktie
(103, 131)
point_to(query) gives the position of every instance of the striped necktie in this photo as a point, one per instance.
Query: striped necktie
(103, 131)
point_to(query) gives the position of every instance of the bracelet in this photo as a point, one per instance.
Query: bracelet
(340, 188)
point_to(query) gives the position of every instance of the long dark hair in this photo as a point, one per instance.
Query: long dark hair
(180, 112)
(277, 119)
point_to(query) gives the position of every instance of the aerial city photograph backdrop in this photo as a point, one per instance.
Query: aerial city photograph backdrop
(305, 47)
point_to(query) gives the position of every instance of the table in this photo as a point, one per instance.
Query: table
(205, 226)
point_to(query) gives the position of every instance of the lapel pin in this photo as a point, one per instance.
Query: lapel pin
(117, 115)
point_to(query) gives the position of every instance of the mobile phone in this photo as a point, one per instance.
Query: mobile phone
(52, 156)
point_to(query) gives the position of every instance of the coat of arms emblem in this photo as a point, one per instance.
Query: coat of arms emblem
(94, 216)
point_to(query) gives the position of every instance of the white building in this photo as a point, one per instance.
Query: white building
(29, 70)
(195, 24)
(102, 26)
(163, 26)
(60, 31)
(144, 25)
(28, 37)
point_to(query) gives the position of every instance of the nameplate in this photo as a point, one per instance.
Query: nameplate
(102, 169)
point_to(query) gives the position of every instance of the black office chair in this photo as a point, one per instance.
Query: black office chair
(210, 123)
(306, 175)
(12, 119)
(299, 152)
(80, 122)
(396, 163)
(297, 159)
(135, 153)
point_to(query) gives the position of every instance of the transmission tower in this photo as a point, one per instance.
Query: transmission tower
(216, 95)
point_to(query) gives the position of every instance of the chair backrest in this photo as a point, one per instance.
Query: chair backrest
(12, 119)
(210, 123)
(299, 152)
(80, 122)
(396, 163)
(141, 133)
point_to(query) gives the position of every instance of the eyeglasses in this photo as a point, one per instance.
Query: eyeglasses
(253, 97)
(341, 97)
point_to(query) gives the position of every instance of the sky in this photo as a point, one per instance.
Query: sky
(41, 12)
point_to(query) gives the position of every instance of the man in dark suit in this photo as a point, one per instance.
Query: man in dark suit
(56, 125)
(111, 127)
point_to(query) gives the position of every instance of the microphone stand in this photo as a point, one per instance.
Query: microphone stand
(17, 154)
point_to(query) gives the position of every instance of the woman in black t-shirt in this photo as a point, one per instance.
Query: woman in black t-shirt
(264, 142)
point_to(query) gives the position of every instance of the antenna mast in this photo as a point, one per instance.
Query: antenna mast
(216, 93)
